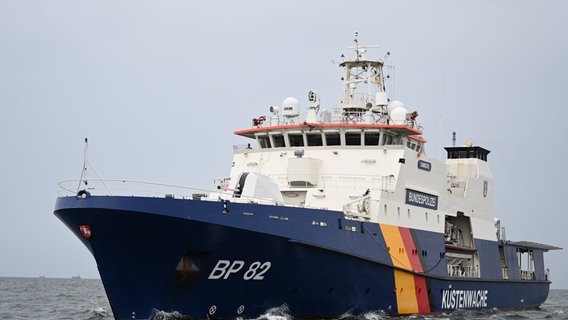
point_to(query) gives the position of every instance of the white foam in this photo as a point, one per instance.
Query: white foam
(278, 313)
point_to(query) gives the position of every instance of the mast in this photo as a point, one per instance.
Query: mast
(363, 84)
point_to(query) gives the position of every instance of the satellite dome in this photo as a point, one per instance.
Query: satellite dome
(394, 104)
(398, 115)
(291, 107)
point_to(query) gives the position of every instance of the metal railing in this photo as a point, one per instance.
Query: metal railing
(125, 187)
(527, 275)
(463, 271)
(351, 181)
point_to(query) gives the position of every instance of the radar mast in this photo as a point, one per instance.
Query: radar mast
(363, 84)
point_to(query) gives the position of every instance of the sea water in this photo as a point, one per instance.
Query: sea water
(85, 299)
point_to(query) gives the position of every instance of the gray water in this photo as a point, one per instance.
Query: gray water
(85, 299)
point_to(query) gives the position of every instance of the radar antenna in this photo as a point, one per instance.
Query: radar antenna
(363, 85)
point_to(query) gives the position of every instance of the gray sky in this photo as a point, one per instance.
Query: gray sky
(158, 87)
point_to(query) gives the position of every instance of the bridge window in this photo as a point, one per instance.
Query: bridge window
(314, 139)
(332, 139)
(278, 141)
(353, 138)
(372, 138)
(411, 145)
(296, 140)
(264, 141)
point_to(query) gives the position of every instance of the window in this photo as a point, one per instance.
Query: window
(264, 141)
(296, 140)
(314, 139)
(278, 140)
(411, 145)
(371, 138)
(353, 138)
(332, 139)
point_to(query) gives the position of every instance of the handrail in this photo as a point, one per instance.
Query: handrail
(381, 182)
(123, 187)
(455, 270)
(66, 189)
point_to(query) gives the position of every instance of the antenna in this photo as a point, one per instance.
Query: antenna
(83, 178)
(454, 138)
(86, 163)
(356, 45)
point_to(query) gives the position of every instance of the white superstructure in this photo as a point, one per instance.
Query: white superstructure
(369, 163)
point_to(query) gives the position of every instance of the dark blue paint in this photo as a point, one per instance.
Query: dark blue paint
(317, 271)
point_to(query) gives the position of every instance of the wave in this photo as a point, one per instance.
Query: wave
(278, 313)
(98, 313)
(163, 315)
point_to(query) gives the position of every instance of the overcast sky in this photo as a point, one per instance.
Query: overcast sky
(158, 87)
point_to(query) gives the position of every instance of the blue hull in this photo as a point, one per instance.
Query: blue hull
(225, 260)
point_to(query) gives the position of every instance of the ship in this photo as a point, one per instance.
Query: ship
(339, 212)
